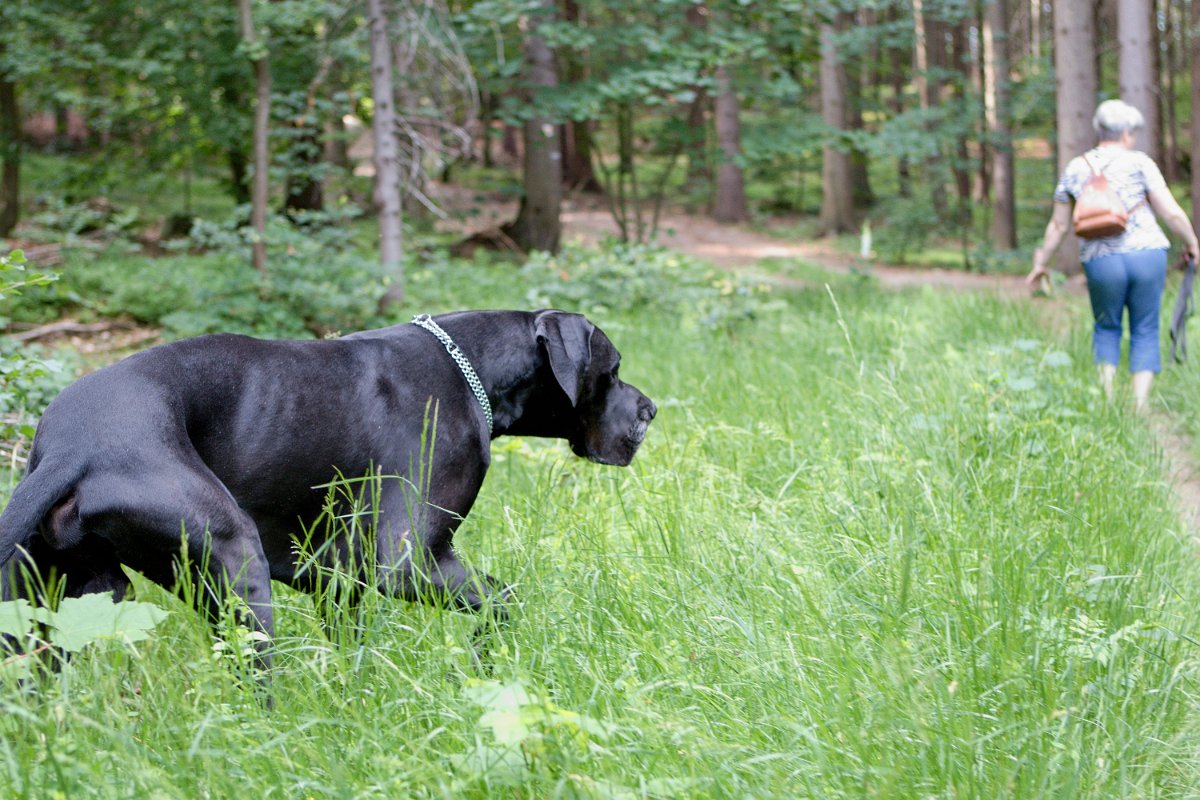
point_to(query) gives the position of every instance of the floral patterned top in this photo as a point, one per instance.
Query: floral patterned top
(1132, 175)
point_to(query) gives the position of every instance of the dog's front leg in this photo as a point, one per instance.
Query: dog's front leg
(439, 578)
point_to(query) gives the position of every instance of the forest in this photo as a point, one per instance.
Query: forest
(930, 121)
(886, 536)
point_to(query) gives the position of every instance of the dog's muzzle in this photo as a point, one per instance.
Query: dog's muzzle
(646, 412)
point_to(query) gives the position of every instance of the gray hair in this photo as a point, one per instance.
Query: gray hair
(1115, 117)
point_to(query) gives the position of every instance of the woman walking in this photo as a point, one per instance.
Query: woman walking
(1128, 269)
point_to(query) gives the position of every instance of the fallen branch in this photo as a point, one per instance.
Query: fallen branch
(70, 326)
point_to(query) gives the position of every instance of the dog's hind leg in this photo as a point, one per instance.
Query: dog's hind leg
(146, 520)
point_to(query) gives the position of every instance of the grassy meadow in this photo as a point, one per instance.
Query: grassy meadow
(876, 544)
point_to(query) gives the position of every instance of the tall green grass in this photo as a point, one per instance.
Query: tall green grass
(876, 545)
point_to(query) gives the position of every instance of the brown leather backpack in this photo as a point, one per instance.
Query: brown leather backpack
(1099, 212)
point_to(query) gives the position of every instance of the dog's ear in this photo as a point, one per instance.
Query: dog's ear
(568, 341)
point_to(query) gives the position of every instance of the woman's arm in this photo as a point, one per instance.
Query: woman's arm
(1056, 229)
(1165, 206)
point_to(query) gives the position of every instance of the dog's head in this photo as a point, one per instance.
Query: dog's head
(609, 417)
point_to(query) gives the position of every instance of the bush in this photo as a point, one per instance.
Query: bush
(26, 382)
(638, 277)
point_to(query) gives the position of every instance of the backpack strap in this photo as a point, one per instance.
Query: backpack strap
(1099, 173)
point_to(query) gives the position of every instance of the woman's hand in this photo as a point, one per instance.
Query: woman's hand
(1039, 270)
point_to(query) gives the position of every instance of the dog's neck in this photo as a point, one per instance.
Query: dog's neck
(514, 378)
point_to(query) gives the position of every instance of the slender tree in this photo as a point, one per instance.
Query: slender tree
(1075, 89)
(387, 156)
(1170, 73)
(10, 150)
(1194, 51)
(696, 145)
(837, 191)
(1138, 78)
(995, 79)
(929, 47)
(262, 118)
(538, 225)
(729, 204)
(577, 133)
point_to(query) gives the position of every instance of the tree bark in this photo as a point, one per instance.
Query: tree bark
(837, 195)
(304, 193)
(1170, 116)
(236, 157)
(538, 225)
(928, 52)
(995, 80)
(10, 154)
(696, 144)
(854, 72)
(1136, 64)
(1194, 50)
(578, 173)
(262, 155)
(387, 157)
(729, 204)
(901, 64)
(1075, 89)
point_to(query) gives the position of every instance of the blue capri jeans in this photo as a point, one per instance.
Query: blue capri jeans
(1134, 280)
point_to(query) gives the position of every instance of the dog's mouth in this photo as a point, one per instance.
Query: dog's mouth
(638, 434)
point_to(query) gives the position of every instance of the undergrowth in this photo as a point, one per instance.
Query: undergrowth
(876, 544)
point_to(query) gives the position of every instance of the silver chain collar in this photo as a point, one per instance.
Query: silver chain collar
(426, 322)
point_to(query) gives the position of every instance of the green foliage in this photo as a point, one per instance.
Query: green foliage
(643, 279)
(75, 625)
(26, 381)
(876, 544)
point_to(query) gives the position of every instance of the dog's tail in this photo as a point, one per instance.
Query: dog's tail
(31, 501)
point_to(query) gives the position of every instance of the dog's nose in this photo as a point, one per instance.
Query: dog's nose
(647, 411)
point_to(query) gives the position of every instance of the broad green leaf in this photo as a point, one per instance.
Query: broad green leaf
(507, 725)
(502, 766)
(17, 617)
(81, 621)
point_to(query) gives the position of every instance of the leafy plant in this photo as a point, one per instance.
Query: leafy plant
(77, 623)
(642, 277)
(523, 734)
(25, 380)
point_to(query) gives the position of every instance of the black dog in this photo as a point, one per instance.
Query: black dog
(221, 440)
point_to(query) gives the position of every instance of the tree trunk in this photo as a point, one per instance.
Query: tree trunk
(901, 63)
(1075, 89)
(1035, 32)
(387, 157)
(10, 154)
(1136, 45)
(859, 176)
(487, 105)
(729, 205)
(696, 144)
(237, 174)
(304, 193)
(837, 193)
(928, 45)
(995, 81)
(578, 174)
(262, 120)
(538, 225)
(1194, 51)
(1170, 163)
(961, 167)
(577, 134)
